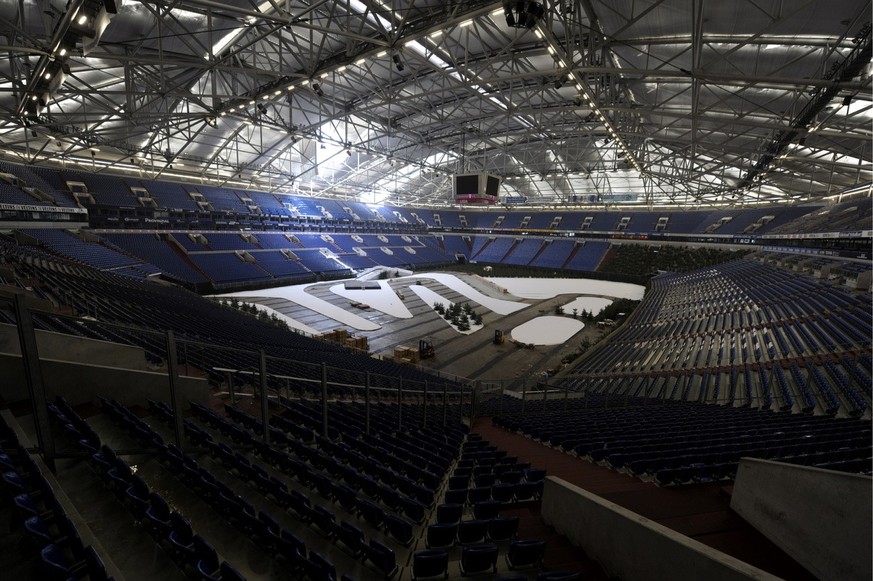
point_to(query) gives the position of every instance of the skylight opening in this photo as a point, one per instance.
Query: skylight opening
(232, 36)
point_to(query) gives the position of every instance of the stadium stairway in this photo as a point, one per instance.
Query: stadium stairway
(700, 511)
(560, 554)
(572, 255)
(541, 249)
(607, 256)
(509, 252)
(484, 247)
(183, 255)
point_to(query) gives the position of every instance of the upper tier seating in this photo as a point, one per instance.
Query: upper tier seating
(128, 301)
(91, 253)
(274, 209)
(741, 333)
(681, 442)
(32, 176)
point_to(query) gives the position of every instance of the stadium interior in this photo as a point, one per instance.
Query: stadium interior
(513, 291)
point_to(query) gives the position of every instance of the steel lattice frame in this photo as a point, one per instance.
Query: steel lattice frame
(659, 102)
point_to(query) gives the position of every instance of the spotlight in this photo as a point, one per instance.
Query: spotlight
(397, 62)
(522, 14)
(316, 86)
(535, 12)
(508, 13)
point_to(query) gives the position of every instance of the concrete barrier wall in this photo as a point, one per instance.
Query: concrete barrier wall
(53, 345)
(822, 518)
(81, 382)
(81, 369)
(631, 546)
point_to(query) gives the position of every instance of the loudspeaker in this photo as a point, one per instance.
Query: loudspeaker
(520, 13)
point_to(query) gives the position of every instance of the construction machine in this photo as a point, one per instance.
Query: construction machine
(425, 348)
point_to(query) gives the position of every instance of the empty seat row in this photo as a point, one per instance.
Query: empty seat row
(52, 539)
(482, 558)
(323, 519)
(192, 553)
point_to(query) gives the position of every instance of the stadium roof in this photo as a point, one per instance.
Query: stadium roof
(659, 102)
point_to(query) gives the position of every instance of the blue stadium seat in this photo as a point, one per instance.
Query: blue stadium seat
(479, 559)
(441, 535)
(430, 564)
(525, 554)
(503, 528)
(472, 531)
(449, 512)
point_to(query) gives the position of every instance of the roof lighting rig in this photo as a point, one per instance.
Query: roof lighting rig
(522, 14)
(585, 95)
(840, 72)
(78, 31)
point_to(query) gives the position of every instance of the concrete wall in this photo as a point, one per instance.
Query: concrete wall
(631, 546)
(822, 518)
(81, 369)
(53, 345)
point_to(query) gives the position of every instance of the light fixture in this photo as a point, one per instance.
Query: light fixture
(521, 14)
(397, 62)
(509, 14)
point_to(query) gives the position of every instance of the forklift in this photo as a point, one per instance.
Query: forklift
(425, 348)
(499, 337)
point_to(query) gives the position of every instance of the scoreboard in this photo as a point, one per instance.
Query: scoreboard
(476, 188)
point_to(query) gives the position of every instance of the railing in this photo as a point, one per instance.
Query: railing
(248, 373)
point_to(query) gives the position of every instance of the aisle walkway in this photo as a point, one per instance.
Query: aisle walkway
(700, 511)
